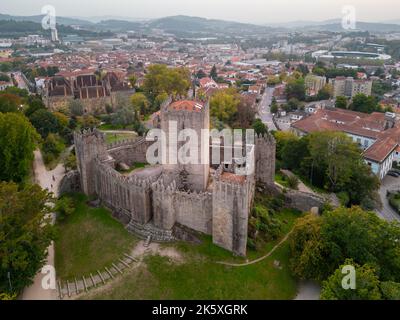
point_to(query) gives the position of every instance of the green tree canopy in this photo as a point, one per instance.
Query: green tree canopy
(17, 143)
(363, 103)
(224, 105)
(140, 103)
(319, 245)
(367, 284)
(9, 102)
(45, 122)
(341, 102)
(25, 233)
(161, 79)
(296, 89)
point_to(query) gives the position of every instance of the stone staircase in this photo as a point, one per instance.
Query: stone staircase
(149, 232)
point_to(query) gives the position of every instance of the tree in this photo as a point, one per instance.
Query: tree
(52, 147)
(303, 69)
(17, 143)
(65, 207)
(4, 77)
(274, 106)
(25, 232)
(224, 104)
(325, 93)
(363, 103)
(341, 102)
(34, 104)
(76, 108)
(367, 284)
(245, 113)
(296, 89)
(140, 103)
(161, 79)
(133, 81)
(259, 127)
(70, 162)
(9, 102)
(345, 233)
(88, 121)
(214, 73)
(124, 117)
(45, 122)
(201, 74)
(390, 290)
(307, 249)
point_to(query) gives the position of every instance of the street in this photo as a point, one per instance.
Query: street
(45, 179)
(264, 111)
(387, 213)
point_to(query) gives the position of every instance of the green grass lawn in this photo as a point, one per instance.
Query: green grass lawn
(281, 179)
(89, 239)
(200, 277)
(115, 137)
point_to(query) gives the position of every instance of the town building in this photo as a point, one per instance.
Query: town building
(314, 84)
(349, 87)
(377, 134)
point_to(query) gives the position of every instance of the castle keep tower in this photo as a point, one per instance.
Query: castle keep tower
(232, 200)
(89, 145)
(265, 159)
(175, 117)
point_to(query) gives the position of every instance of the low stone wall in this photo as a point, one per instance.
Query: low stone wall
(70, 183)
(303, 201)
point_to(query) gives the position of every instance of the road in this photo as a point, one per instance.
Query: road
(20, 81)
(45, 179)
(308, 290)
(264, 110)
(387, 213)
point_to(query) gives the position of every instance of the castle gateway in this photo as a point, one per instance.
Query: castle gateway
(155, 201)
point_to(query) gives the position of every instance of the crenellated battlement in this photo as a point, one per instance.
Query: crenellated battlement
(126, 143)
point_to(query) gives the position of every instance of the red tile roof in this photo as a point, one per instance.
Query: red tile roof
(188, 105)
(231, 177)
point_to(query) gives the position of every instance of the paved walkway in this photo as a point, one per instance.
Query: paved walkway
(259, 259)
(45, 179)
(387, 212)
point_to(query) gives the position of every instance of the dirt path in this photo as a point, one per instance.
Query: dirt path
(47, 180)
(259, 259)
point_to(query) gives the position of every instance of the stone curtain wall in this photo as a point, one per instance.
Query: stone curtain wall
(129, 196)
(194, 210)
(129, 151)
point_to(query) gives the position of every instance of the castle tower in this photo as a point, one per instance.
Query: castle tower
(175, 117)
(232, 198)
(89, 145)
(265, 159)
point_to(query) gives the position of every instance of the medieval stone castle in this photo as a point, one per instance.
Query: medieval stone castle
(160, 201)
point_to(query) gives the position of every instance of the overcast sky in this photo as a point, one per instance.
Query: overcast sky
(256, 11)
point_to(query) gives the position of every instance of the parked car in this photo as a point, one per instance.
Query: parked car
(393, 174)
(395, 170)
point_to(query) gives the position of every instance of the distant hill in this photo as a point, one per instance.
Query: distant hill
(179, 24)
(12, 28)
(335, 25)
(39, 18)
(361, 26)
